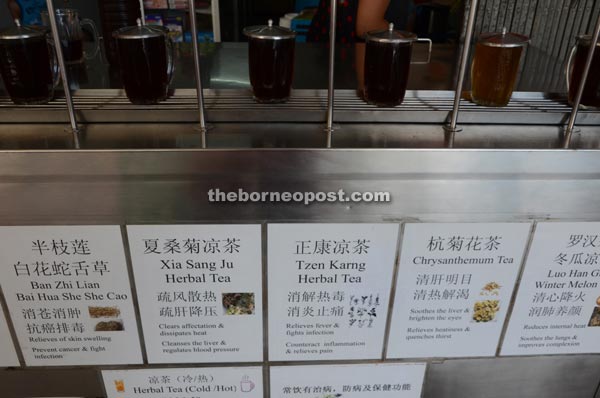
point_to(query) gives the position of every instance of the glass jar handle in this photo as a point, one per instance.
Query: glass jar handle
(54, 63)
(170, 58)
(569, 67)
(430, 48)
(92, 26)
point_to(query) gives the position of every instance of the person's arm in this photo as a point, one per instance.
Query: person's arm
(14, 9)
(371, 16)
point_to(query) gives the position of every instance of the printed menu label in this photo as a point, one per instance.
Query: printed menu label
(184, 383)
(329, 288)
(557, 310)
(69, 296)
(454, 288)
(200, 291)
(8, 356)
(382, 380)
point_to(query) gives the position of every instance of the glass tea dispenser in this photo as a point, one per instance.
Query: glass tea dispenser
(145, 56)
(271, 59)
(387, 65)
(575, 68)
(28, 64)
(495, 67)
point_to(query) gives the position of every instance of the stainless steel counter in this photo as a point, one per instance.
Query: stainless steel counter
(170, 187)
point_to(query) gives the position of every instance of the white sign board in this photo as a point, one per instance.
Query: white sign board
(347, 381)
(454, 287)
(329, 287)
(200, 291)
(69, 296)
(184, 383)
(557, 310)
(8, 356)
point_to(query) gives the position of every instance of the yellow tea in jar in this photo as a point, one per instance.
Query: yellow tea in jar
(495, 68)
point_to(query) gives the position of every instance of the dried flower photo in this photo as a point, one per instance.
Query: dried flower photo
(109, 326)
(104, 312)
(485, 311)
(238, 303)
(491, 289)
(595, 318)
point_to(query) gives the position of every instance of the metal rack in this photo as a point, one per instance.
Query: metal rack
(314, 106)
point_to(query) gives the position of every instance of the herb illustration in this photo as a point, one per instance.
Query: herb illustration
(238, 303)
(595, 319)
(104, 312)
(485, 311)
(109, 326)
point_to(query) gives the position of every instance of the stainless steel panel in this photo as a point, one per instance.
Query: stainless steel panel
(290, 135)
(171, 186)
(556, 377)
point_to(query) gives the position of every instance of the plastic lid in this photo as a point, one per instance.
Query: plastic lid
(503, 39)
(391, 36)
(269, 32)
(139, 32)
(18, 32)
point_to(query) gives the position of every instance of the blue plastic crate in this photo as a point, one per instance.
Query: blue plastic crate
(301, 27)
(302, 4)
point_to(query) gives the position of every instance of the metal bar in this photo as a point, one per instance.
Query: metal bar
(216, 20)
(134, 292)
(517, 285)
(584, 77)
(483, 17)
(331, 87)
(11, 328)
(462, 72)
(393, 288)
(198, 75)
(63, 73)
(142, 12)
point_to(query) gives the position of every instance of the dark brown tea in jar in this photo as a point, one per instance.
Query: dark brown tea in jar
(146, 62)
(271, 69)
(591, 91)
(387, 66)
(72, 51)
(26, 70)
(271, 60)
(144, 69)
